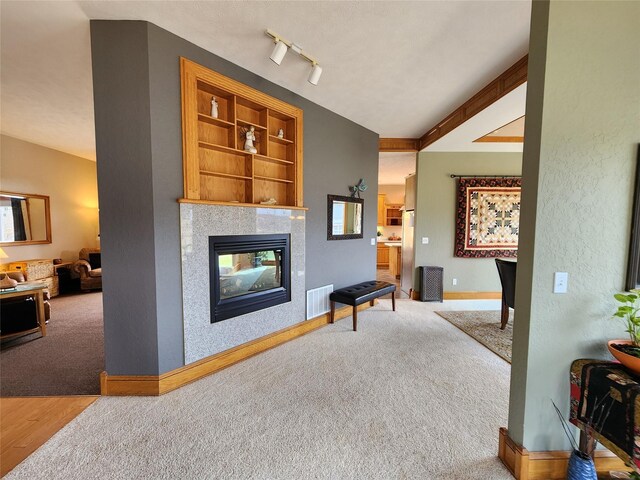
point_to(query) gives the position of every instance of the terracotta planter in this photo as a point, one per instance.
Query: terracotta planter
(629, 361)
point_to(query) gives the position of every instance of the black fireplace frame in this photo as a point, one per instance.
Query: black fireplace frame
(250, 302)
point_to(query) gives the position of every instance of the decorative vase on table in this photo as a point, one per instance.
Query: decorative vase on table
(581, 467)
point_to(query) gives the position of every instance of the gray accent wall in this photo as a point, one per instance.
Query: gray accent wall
(139, 148)
(436, 205)
(582, 134)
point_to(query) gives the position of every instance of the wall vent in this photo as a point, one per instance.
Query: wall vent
(318, 301)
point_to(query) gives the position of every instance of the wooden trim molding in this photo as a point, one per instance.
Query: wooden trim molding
(551, 465)
(498, 139)
(154, 385)
(415, 295)
(237, 204)
(398, 145)
(510, 79)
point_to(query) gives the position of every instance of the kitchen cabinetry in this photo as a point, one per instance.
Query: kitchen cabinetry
(381, 209)
(393, 215)
(395, 261)
(383, 256)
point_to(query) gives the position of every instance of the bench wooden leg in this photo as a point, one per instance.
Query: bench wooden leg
(333, 311)
(355, 318)
(393, 300)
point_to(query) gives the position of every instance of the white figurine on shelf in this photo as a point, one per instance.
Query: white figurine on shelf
(250, 138)
(280, 133)
(214, 107)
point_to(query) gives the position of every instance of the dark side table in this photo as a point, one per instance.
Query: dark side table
(593, 380)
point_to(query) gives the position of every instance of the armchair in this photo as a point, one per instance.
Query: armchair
(89, 268)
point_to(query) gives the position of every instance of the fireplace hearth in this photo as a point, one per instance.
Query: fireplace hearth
(248, 273)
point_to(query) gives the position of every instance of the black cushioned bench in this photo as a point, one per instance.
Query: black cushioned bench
(361, 293)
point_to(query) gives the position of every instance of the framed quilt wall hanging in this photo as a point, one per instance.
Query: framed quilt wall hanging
(487, 217)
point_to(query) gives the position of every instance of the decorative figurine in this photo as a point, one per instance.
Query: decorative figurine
(361, 186)
(214, 107)
(250, 137)
(280, 133)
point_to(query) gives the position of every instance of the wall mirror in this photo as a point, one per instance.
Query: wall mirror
(24, 219)
(344, 217)
(633, 266)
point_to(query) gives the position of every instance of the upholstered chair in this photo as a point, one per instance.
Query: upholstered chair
(89, 268)
(507, 273)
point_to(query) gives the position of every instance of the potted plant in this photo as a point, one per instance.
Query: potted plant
(628, 351)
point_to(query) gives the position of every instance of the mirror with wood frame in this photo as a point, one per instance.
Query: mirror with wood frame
(24, 219)
(633, 266)
(344, 217)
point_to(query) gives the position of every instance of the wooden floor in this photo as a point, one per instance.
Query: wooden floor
(383, 275)
(28, 422)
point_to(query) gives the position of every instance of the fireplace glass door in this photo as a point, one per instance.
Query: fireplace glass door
(248, 273)
(243, 273)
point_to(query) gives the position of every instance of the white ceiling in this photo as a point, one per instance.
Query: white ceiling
(394, 167)
(394, 67)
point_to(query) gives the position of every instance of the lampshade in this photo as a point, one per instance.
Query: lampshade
(279, 51)
(314, 76)
(3, 254)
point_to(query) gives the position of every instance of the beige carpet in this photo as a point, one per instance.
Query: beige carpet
(405, 397)
(484, 326)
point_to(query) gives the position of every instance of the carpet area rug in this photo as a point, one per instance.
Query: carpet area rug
(484, 326)
(404, 397)
(68, 361)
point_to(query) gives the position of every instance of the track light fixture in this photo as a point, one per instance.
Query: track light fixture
(281, 48)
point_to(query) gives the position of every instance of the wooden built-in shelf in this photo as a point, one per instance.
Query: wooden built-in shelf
(217, 169)
(237, 204)
(277, 139)
(271, 159)
(249, 124)
(272, 179)
(226, 175)
(215, 121)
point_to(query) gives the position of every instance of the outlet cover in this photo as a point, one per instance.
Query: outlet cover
(560, 282)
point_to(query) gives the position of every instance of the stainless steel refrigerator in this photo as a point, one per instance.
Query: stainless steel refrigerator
(406, 276)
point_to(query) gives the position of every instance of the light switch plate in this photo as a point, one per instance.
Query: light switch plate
(560, 282)
(425, 240)
(373, 241)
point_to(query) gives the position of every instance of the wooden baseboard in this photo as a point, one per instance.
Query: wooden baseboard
(153, 385)
(415, 295)
(551, 465)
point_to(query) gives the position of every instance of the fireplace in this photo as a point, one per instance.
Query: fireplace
(248, 273)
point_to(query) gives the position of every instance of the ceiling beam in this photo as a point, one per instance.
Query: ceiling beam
(510, 79)
(398, 145)
(499, 139)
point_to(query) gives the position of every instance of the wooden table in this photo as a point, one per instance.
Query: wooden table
(35, 290)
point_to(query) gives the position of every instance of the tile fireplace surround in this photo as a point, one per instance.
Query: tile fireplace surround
(197, 222)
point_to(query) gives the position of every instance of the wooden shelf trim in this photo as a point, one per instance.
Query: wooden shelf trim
(284, 141)
(238, 204)
(251, 124)
(222, 148)
(215, 121)
(225, 175)
(272, 179)
(257, 156)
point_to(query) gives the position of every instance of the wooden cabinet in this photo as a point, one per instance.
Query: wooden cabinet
(395, 261)
(393, 215)
(382, 209)
(217, 168)
(383, 256)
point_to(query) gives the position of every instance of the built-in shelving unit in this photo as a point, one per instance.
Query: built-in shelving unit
(217, 169)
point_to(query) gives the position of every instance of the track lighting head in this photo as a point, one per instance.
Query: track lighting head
(279, 51)
(314, 76)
